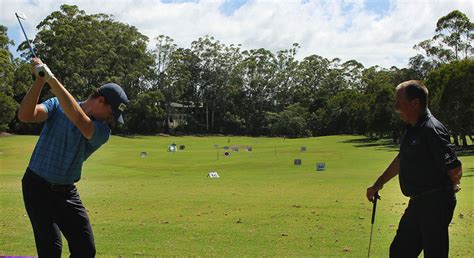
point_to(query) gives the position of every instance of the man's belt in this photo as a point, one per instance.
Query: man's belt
(428, 192)
(53, 187)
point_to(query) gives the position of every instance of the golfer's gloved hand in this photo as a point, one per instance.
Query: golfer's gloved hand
(42, 70)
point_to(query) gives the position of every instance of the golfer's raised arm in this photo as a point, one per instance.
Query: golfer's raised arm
(29, 110)
(71, 108)
(391, 171)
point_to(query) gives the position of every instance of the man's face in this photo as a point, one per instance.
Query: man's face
(404, 107)
(103, 111)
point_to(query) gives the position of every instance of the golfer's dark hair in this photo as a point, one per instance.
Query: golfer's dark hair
(95, 94)
(415, 90)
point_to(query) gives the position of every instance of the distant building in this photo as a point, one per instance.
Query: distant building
(178, 115)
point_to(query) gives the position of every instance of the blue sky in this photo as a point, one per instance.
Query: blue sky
(374, 32)
(229, 6)
(380, 7)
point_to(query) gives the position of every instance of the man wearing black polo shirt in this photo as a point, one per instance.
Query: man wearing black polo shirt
(429, 173)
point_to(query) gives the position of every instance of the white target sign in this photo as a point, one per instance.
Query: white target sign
(213, 174)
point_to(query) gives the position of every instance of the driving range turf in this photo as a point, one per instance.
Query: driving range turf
(262, 205)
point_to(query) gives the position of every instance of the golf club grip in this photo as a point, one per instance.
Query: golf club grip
(376, 196)
(373, 211)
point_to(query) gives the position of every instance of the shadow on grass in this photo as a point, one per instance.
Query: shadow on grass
(130, 136)
(465, 152)
(386, 144)
(468, 172)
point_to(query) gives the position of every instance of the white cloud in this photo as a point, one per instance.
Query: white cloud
(336, 28)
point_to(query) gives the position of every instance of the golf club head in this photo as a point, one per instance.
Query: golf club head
(20, 15)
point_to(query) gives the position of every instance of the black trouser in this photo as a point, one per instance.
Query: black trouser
(424, 226)
(54, 209)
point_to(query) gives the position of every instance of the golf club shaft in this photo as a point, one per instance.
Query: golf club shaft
(26, 37)
(370, 241)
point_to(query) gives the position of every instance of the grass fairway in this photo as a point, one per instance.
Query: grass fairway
(262, 205)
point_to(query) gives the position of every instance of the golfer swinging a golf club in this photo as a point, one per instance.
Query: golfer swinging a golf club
(429, 173)
(71, 133)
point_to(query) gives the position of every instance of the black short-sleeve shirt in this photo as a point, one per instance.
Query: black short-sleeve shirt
(426, 155)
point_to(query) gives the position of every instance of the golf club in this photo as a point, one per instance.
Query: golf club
(21, 16)
(376, 196)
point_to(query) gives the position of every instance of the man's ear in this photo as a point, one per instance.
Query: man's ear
(101, 100)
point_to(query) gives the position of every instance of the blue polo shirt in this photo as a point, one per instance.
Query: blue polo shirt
(61, 148)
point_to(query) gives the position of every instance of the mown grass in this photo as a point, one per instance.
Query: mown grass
(262, 205)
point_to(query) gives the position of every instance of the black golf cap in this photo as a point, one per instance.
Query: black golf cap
(116, 98)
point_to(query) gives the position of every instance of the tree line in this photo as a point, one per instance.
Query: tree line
(214, 88)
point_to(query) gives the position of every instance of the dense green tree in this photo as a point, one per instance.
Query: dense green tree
(217, 88)
(345, 113)
(213, 74)
(335, 80)
(7, 70)
(259, 69)
(182, 75)
(352, 72)
(421, 66)
(452, 41)
(7, 67)
(451, 89)
(230, 118)
(165, 47)
(285, 78)
(455, 31)
(291, 122)
(8, 110)
(22, 81)
(85, 51)
(380, 92)
(145, 114)
(312, 72)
